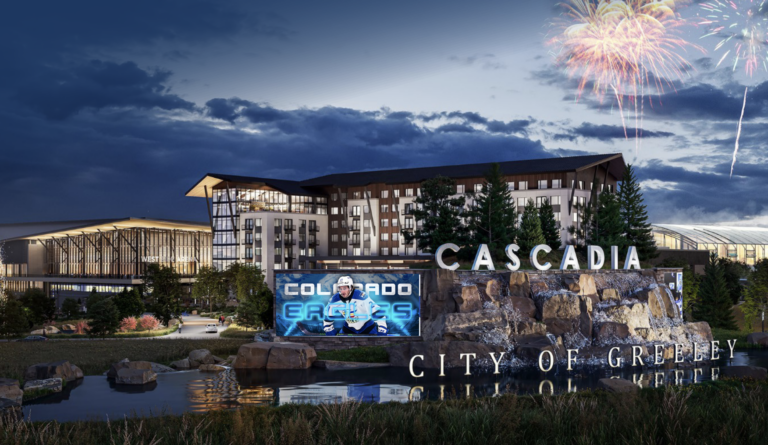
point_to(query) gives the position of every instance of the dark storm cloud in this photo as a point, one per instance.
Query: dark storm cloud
(605, 133)
(60, 93)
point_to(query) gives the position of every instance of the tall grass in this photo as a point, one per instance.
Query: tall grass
(95, 356)
(719, 412)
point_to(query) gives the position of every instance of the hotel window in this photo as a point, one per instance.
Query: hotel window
(278, 222)
(257, 237)
(395, 208)
(542, 183)
(395, 236)
(409, 223)
(581, 185)
(277, 266)
(366, 237)
(248, 237)
(249, 252)
(302, 237)
(365, 209)
(355, 195)
(344, 223)
(557, 218)
(459, 189)
(335, 251)
(289, 224)
(510, 186)
(334, 210)
(610, 188)
(302, 252)
(367, 194)
(257, 264)
(334, 238)
(418, 191)
(344, 196)
(408, 192)
(540, 201)
(478, 188)
(385, 251)
(575, 218)
(384, 208)
(356, 251)
(522, 185)
(408, 210)
(278, 251)
(385, 236)
(311, 251)
(384, 223)
(557, 183)
(582, 201)
(394, 222)
(343, 210)
(395, 251)
(355, 210)
(367, 223)
(334, 196)
(343, 251)
(367, 251)
(384, 194)
(554, 200)
(257, 251)
(278, 237)
(397, 193)
(257, 222)
(334, 224)
(344, 237)
(249, 224)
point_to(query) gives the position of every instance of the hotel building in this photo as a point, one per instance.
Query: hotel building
(355, 219)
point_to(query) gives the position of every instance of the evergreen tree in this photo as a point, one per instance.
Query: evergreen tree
(583, 231)
(493, 216)
(70, 308)
(164, 287)
(609, 228)
(549, 225)
(713, 304)
(637, 229)
(209, 285)
(440, 214)
(756, 294)
(103, 318)
(530, 234)
(733, 271)
(255, 298)
(13, 320)
(40, 307)
(129, 303)
(93, 298)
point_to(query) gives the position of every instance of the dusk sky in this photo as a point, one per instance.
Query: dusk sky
(113, 109)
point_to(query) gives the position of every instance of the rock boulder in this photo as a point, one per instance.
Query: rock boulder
(524, 305)
(252, 356)
(9, 389)
(470, 326)
(563, 306)
(469, 300)
(128, 376)
(285, 355)
(610, 295)
(181, 364)
(519, 285)
(211, 368)
(531, 346)
(200, 357)
(758, 338)
(127, 364)
(61, 369)
(54, 385)
(611, 331)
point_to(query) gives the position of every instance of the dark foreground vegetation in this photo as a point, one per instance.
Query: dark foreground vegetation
(733, 412)
(96, 356)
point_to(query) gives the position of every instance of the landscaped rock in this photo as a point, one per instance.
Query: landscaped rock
(700, 331)
(181, 364)
(10, 408)
(524, 305)
(617, 385)
(218, 360)
(585, 315)
(51, 330)
(531, 346)
(285, 355)
(114, 370)
(571, 283)
(519, 284)
(252, 356)
(38, 332)
(400, 355)
(470, 300)
(659, 302)
(528, 327)
(611, 331)
(231, 359)
(9, 389)
(61, 369)
(54, 385)
(610, 295)
(758, 338)
(438, 293)
(745, 372)
(559, 326)
(157, 368)
(563, 306)
(470, 326)
(200, 357)
(634, 315)
(128, 376)
(587, 284)
(212, 368)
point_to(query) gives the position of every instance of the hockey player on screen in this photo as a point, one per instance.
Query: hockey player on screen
(360, 314)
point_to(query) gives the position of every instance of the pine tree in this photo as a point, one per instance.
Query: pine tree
(440, 215)
(103, 318)
(493, 216)
(530, 234)
(637, 229)
(609, 228)
(549, 225)
(164, 286)
(13, 320)
(713, 303)
(583, 231)
(756, 294)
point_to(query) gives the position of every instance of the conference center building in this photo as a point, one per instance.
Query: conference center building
(70, 259)
(355, 219)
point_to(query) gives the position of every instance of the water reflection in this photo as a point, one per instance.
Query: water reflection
(193, 391)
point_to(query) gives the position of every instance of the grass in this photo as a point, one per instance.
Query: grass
(723, 412)
(235, 331)
(723, 335)
(366, 354)
(96, 356)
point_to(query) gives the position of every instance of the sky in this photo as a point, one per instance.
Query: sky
(114, 109)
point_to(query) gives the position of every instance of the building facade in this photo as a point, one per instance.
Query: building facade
(69, 259)
(356, 219)
(744, 244)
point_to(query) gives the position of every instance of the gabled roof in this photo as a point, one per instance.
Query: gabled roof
(55, 229)
(309, 187)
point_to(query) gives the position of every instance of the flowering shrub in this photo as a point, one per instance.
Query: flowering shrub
(128, 324)
(81, 327)
(149, 322)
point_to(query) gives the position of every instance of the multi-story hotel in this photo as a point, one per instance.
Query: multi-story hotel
(355, 219)
(69, 259)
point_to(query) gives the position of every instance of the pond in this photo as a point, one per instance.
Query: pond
(95, 398)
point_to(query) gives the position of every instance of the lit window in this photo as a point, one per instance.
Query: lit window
(385, 236)
(460, 189)
(478, 188)
(385, 251)
(522, 185)
(542, 183)
(510, 186)
(334, 210)
(334, 196)
(384, 223)
(384, 208)
(394, 222)
(397, 193)
(384, 194)
(408, 192)
(557, 183)
(554, 200)
(395, 236)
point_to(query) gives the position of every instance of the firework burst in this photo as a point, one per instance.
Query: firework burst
(742, 26)
(621, 47)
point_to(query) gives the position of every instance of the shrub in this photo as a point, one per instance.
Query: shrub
(128, 324)
(81, 327)
(149, 322)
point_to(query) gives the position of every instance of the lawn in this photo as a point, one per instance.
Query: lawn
(235, 331)
(95, 356)
(727, 412)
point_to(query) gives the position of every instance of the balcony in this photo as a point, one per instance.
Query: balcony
(313, 243)
(354, 228)
(314, 229)
(290, 228)
(354, 242)
(407, 212)
(290, 242)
